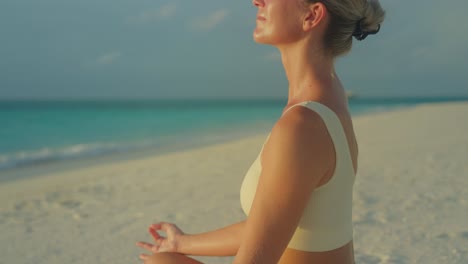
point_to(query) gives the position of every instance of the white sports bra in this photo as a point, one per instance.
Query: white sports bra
(326, 223)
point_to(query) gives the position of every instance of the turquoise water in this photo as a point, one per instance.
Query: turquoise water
(36, 132)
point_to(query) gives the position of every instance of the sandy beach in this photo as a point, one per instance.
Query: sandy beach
(410, 198)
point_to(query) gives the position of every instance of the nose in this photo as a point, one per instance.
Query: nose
(258, 3)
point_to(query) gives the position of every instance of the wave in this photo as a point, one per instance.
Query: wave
(45, 155)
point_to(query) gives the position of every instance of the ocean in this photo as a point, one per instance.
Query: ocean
(36, 132)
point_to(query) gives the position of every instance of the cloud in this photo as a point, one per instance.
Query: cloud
(165, 12)
(108, 58)
(209, 22)
(445, 46)
(429, 44)
(411, 44)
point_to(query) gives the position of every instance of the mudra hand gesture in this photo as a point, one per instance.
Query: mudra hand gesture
(161, 243)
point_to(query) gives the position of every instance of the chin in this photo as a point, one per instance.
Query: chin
(270, 37)
(258, 40)
(261, 38)
(276, 36)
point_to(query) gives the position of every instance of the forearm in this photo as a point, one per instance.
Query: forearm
(221, 242)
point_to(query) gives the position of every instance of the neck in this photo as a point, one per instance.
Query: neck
(310, 74)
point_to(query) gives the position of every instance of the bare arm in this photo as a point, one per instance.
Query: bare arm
(285, 184)
(221, 242)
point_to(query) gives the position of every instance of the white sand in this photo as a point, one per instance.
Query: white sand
(410, 203)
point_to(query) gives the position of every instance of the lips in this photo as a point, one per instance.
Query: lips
(261, 18)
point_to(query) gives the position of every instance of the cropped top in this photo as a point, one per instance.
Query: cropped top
(326, 222)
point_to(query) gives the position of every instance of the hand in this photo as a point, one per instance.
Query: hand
(162, 244)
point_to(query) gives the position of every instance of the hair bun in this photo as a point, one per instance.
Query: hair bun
(369, 24)
(360, 34)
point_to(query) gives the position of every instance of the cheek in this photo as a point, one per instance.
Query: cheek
(283, 24)
(287, 14)
(289, 26)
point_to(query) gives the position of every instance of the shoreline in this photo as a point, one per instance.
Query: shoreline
(17, 157)
(48, 167)
(64, 171)
(23, 172)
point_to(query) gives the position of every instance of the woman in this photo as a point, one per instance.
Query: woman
(298, 192)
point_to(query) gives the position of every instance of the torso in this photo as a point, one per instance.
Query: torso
(344, 254)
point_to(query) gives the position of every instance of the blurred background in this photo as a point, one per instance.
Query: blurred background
(89, 78)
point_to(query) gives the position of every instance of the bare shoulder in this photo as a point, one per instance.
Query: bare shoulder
(301, 119)
(303, 127)
(300, 137)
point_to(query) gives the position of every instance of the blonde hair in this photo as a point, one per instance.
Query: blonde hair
(344, 17)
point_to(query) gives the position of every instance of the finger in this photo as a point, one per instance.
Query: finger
(144, 256)
(164, 226)
(145, 245)
(156, 226)
(154, 234)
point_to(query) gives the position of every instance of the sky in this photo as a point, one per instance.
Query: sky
(142, 49)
